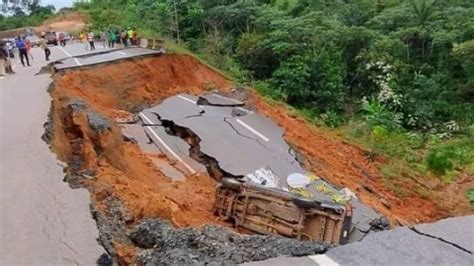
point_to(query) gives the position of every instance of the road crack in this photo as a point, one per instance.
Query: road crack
(441, 239)
(64, 226)
(242, 135)
(71, 261)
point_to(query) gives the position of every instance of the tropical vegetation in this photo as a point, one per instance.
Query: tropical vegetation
(395, 75)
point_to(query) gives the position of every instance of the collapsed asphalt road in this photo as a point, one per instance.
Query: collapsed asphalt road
(186, 129)
(215, 132)
(115, 221)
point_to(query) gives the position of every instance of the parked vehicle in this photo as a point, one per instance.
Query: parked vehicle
(50, 37)
(272, 211)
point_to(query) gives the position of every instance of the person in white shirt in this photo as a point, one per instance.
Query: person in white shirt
(90, 39)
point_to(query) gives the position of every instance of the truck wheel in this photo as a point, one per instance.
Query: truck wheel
(231, 183)
(305, 203)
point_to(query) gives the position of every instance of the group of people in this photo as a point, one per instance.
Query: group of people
(126, 37)
(24, 46)
(24, 50)
(88, 39)
(60, 38)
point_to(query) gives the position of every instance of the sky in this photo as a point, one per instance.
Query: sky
(58, 4)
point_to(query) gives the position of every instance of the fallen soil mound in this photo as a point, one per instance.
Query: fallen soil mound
(126, 187)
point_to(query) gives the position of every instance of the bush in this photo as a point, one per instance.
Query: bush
(379, 132)
(331, 119)
(376, 114)
(440, 161)
(267, 90)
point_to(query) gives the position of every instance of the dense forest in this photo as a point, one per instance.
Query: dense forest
(397, 76)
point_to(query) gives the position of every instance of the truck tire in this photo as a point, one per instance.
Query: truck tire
(305, 203)
(231, 183)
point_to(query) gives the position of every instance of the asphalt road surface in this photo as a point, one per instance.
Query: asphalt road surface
(446, 242)
(42, 220)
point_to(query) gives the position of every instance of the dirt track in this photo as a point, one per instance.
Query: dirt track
(122, 171)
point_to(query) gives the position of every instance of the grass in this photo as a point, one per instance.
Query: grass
(407, 153)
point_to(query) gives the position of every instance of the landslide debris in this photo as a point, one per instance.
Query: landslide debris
(211, 245)
(126, 188)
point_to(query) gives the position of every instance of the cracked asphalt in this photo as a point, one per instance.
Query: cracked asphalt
(256, 141)
(236, 144)
(42, 220)
(446, 242)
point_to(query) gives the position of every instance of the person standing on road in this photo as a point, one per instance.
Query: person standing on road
(8, 60)
(44, 45)
(3, 61)
(135, 37)
(20, 43)
(90, 38)
(28, 47)
(62, 39)
(104, 39)
(129, 35)
(124, 38)
(111, 37)
(83, 37)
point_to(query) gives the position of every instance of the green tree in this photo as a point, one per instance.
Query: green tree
(424, 10)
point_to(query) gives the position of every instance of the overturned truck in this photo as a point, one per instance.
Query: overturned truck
(263, 186)
(269, 211)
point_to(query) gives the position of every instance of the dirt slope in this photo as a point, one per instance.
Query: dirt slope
(68, 22)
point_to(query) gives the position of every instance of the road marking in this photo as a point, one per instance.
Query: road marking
(323, 260)
(200, 106)
(165, 145)
(64, 51)
(189, 100)
(260, 135)
(245, 110)
(186, 99)
(122, 53)
(70, 55)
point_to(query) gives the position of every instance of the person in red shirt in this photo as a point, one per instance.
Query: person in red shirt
(28, 48)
